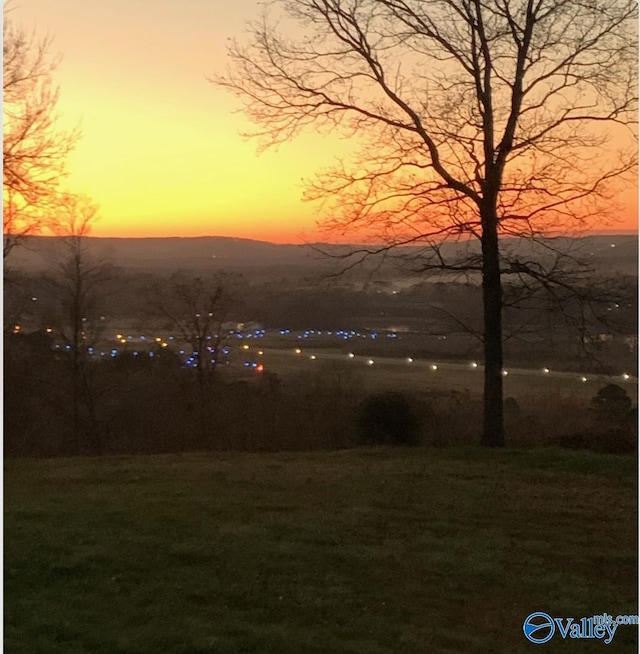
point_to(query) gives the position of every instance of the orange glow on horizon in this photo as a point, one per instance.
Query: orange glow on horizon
(161, 151)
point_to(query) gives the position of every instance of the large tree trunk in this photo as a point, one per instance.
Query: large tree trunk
(493, 419)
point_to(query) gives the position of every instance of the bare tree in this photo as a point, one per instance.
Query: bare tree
(77, 288)
(196, 309)
(477, 121)
(34, 150)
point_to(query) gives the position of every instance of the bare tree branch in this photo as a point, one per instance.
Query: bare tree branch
(34, 150)
(472, 119)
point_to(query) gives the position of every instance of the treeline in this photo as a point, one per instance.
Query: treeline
(144, 404)
(445, 318)
(448, 306)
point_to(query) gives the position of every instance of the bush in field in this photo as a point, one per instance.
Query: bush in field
(607, 441)
(613, 429)
(615, 441)
(611, 406)
(388, 419)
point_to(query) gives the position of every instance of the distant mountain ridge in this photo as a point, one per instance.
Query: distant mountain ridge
(614, 252)
(167, 251)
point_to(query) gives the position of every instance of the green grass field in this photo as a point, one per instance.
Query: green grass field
(371, 551)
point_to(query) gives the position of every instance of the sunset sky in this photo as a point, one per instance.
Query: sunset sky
(161, 150)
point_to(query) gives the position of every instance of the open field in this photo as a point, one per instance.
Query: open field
(372, 551)
(419, 375)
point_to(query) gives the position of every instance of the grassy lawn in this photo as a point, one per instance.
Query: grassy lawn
(372, 551)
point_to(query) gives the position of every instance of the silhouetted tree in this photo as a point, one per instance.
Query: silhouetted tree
(34, 149)
(196, 308)
(478, 120)
(77, 287)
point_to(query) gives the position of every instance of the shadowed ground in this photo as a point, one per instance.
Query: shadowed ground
(373, 551)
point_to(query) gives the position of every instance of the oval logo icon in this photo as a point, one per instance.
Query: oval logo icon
(539, 627)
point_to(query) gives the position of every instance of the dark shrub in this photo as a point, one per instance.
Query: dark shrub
(612, 407)
(606, 441)
(614, 441)
(614, 421)
(388, 419)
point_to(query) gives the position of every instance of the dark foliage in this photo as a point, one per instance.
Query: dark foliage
(613, 424)
(151, 404)
(612, 406)
(388, 419)
(608, 441)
